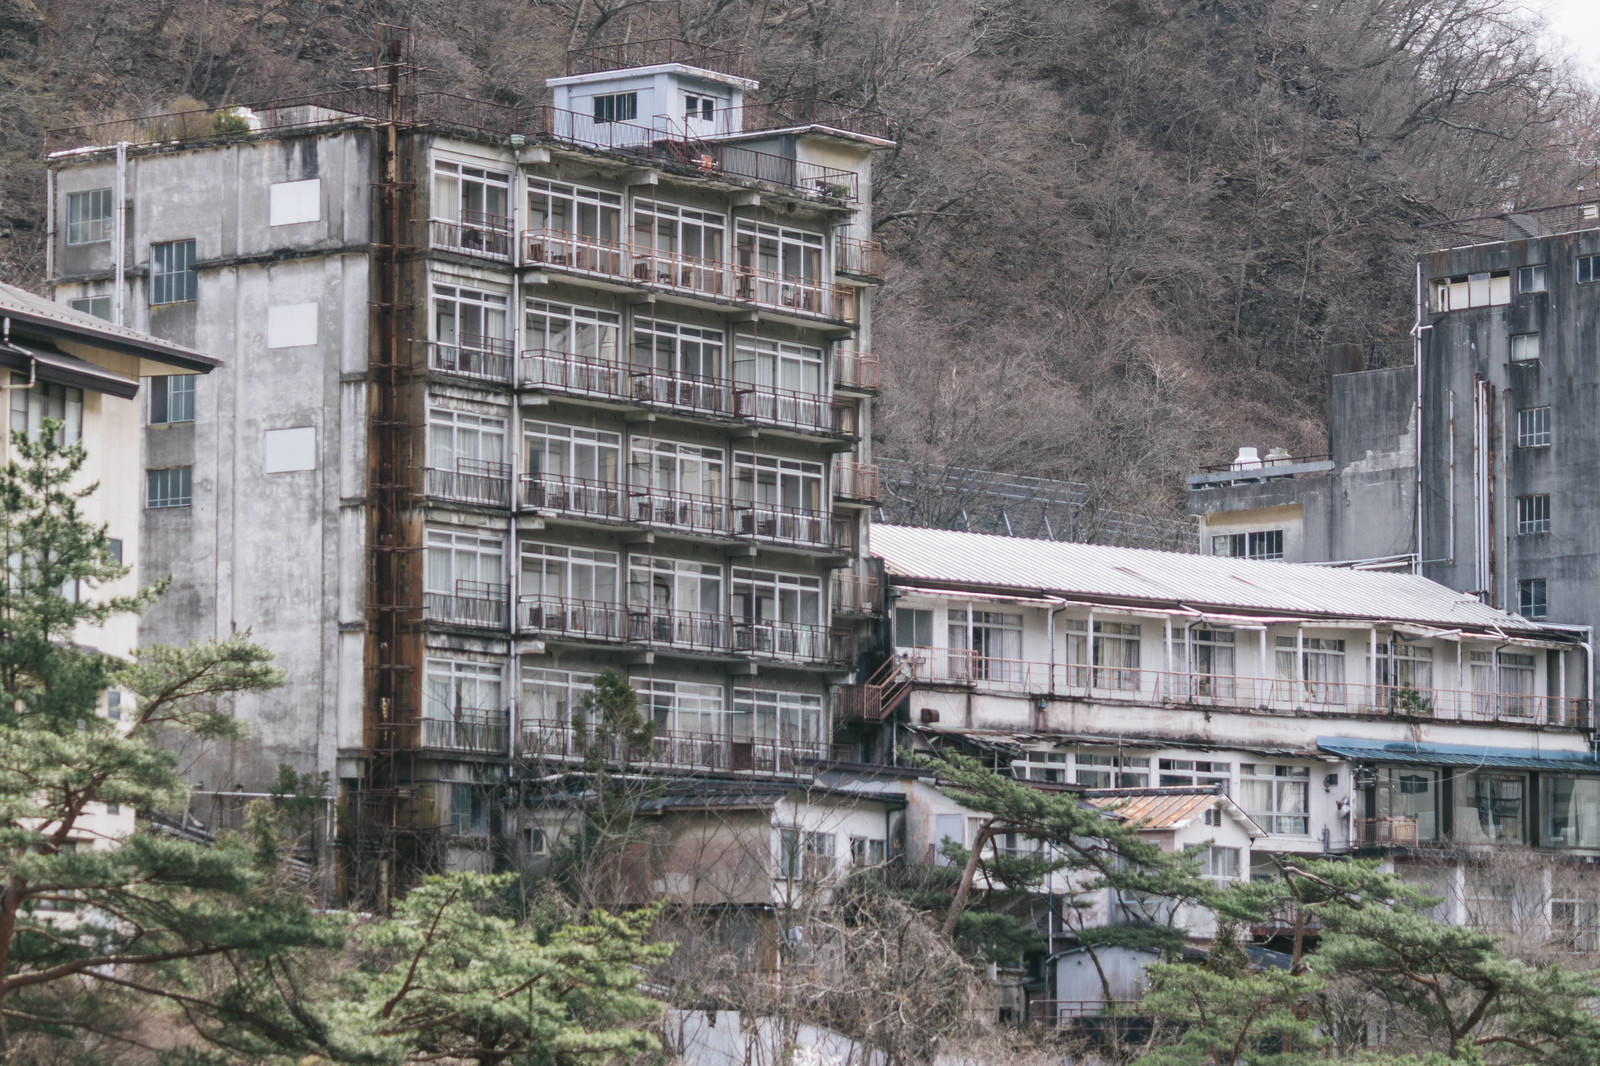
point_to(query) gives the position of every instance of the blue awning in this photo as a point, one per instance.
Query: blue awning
(1363, 750)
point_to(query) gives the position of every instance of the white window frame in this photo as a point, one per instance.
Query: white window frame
(458, 309)
(89, 217)
(172, 276)
(46, 399)
(1533, 597)
(675, 483)
(455, 435)
(471, 195)
(679, 707)
(171, 486)
(464, 684)
(795, 718)
(1533, 427)
(1222, 864)
(1110, 769)
(98, 306)
(585, 334)
(1533, 513)
(616, 107)
(1532, 278)
(691, 588)
(561, 572)
(1251, 544)
(455, 555)
(566, 211)
(1524, 347)
(171, 399)
(1287, 811)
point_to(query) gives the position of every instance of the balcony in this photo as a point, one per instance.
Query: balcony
(684, 630)
(480, 731)
(949, 666)
(575, 496)
(857, 371)
(476, 233)
(555, 739)
(480, 359)
(809, 412)
(685, 512)
(480, 604)
(680, 273)
(797, 642)
(575, 253)
(559, 617)
(796, 295)
(472, 481)
(859, 482)
(855, 594)
(790, 526)
(571, 375)
(1395, 831)
(702, 396)
(858, 258)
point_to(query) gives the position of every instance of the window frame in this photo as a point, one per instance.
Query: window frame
(166, 392)
(78, 223)
(1283, 780)
(1537, 271)
(1529, 432)
(1533, 514)
(1264, 544)
(89, 305)
(1520, 345)
(177, 485)
(172, 275)
(1533, 597)
(616, 107)
(1586, 270)
(45, 399)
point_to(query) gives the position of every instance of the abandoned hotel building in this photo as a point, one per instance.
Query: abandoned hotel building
(513, 396)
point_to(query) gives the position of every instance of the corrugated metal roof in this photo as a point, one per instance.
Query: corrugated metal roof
(1135, 576)
(1156, 808)
(1459, 755)
(25, 307)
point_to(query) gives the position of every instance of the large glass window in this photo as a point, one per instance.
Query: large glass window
(1472, 290)
(1200, 773)
(1278, 797)
(676, 601)
(678, 365)
(678, 246)
(556, 572)
(1260, 544)
(1211, 663)
(1316, 675)
(778, 498)
(454, 436)
(677, 484)
(454, 689)
(985, 645)
(31, 406)
(913, 627)
(575, 226)
(566, 458)
(1502, 683)
(1533, 427)
(787, 717)
(784, 379)
(778, 613)
(1493, 808)
(89, 216)
(1571, 808)
(1116, 655)
(616, 107)
(1405, 672)
(172, 278)
(572, 347)
(1406, 805)
(470, 318)
(684, 707)
(777, 265)
(464, 577)
(471, 208)
(169, 487)
(1110, 769)
(550, 696)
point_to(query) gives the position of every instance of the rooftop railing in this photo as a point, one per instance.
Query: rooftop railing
(655, 52)
(1516, 225)
(1233, 692)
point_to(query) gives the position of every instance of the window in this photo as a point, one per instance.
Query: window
(472, 196)
(1524, 347)
(1222, 864)
(114, 549)
(1533, 513)
(573, 347)
(680, 366)
(779, 499)
(1319, 669)
(697, 106)
(469, 319)
(468, 817)
(98, 306)
(1502, 683)
(1111, 769)
(678, 246)
(1575, 924)
(1263, 544)
(692, 712)
(1531, 601)
(1277, 797)
(616, 107)
(1211, 663)
(676, 601)
(1406, 805)
(172, 272)
(1116, 655)
(574, 227)
(171, 399)
(30, 407)
(866, 851)
(464, 578)
(1531, 278)
(778, 614)
(570, 588)
(89, 216)
(1493, 808)
(1533, 427)
(1198, 773)
(790, 718)
(113, 808)
(1472, 290)
(1571, 809)
(913, 627)
(776, 265)
(1405, 669)
(781, 382)
(1041, 766)
(677, 485)
(460, 440)
(1588, 268)
(985, 645)
(113, 705)
(170, 487)
(533, 840)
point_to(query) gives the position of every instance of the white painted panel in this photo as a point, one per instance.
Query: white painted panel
(291, 325)
(284, 450)
(296, 201)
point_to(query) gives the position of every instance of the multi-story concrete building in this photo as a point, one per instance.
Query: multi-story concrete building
(513, 396)
(1343, 711)
(71, 366)
(1470, 466)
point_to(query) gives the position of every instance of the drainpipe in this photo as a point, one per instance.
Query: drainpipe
(1417, 330)
(119, 215)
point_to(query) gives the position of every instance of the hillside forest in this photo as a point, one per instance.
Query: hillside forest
(1122, 235)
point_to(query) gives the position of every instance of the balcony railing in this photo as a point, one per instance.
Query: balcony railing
(555, 739)
(857, 481)
(476, 481)
(482, 359)
(482, 731)
(803, 642)
(679, 272)
(475, 233)
(855, 593)
(686, 630)
(575, 252)
(572, 375)
(784, 525)
(859, 371)
(1393, 831)
(559, 616)
(688, 512)
(1083, 681)
(771, 406)
(864, 259)
(794, 294)
(574, 496)
(473, 603)
(706, 396)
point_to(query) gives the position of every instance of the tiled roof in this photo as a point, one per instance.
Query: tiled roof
(1205, 584)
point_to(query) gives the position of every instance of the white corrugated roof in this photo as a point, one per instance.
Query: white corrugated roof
(1020, 566)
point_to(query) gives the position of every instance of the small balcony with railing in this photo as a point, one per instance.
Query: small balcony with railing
(792, 642)
(575, 253)
(858, 258)
(482, 731)
(483, 359)
(555, 740)
(680, 512)
(547, 370)
(707, 397)
(857, 482)
(574, 497)
(792, 294)
(790, 527)
(477, 482)
(857, 371)
(567, 619)
(474, 233)
(1273, 695)
(809, 413)
(691, 631)
(475, 604)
